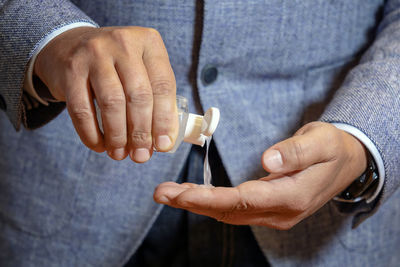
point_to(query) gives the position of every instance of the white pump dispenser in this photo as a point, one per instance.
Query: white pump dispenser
(199, 127)
(194, 128)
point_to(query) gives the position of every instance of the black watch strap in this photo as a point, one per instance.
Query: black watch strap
(363, 187)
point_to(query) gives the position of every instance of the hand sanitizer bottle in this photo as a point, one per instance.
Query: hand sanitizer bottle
(194, 129)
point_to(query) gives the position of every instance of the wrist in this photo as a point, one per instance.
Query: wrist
(357, 156)
(372, 151)
(363, 187)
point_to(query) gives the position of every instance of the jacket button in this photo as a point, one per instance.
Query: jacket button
(209, 74)
(3, 104)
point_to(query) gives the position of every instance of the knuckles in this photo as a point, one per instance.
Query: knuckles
(112, 101)
(141, 138)
(97, 43)
(163, 87)
(152, 35)
(163, 123)
(80, 112)
(140, 96)
(130, 39)
(123, 37)
(94, 46)
(73, 65)
(298, 154)
(120, 35)
(241, 206)
(116, 140)
(242, 203)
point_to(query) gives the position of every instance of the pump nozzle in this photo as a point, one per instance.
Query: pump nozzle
(198, 127)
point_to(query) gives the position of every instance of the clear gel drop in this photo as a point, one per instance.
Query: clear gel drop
(207, 170)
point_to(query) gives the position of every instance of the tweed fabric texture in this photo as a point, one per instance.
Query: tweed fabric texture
(23, 25)
(280, 63)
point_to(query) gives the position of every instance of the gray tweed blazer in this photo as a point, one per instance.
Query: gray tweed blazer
(281, 63)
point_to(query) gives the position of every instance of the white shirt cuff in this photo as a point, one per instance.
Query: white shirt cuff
(28, 83)
(372, 150)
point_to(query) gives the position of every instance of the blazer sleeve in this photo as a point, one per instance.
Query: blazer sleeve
(369, 100)
(23, 25)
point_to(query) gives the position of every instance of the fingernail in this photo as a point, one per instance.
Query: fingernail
(163, 142)
(163, 199)
(118, 153)
(273, 159)
(141, 155)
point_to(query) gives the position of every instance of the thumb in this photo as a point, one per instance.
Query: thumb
(298, 152)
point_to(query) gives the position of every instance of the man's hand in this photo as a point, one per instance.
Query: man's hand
(127, 71)
(306, 171)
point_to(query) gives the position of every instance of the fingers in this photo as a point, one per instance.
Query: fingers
(311, 171)
(218, 198)
(110, 97)
(252, 196)
(139, 108)
(166, 189)
(165, 118)
(312, 146)
(248, 204)
(127, 71)
(198, 197)
(136, 96)
(82, 112)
